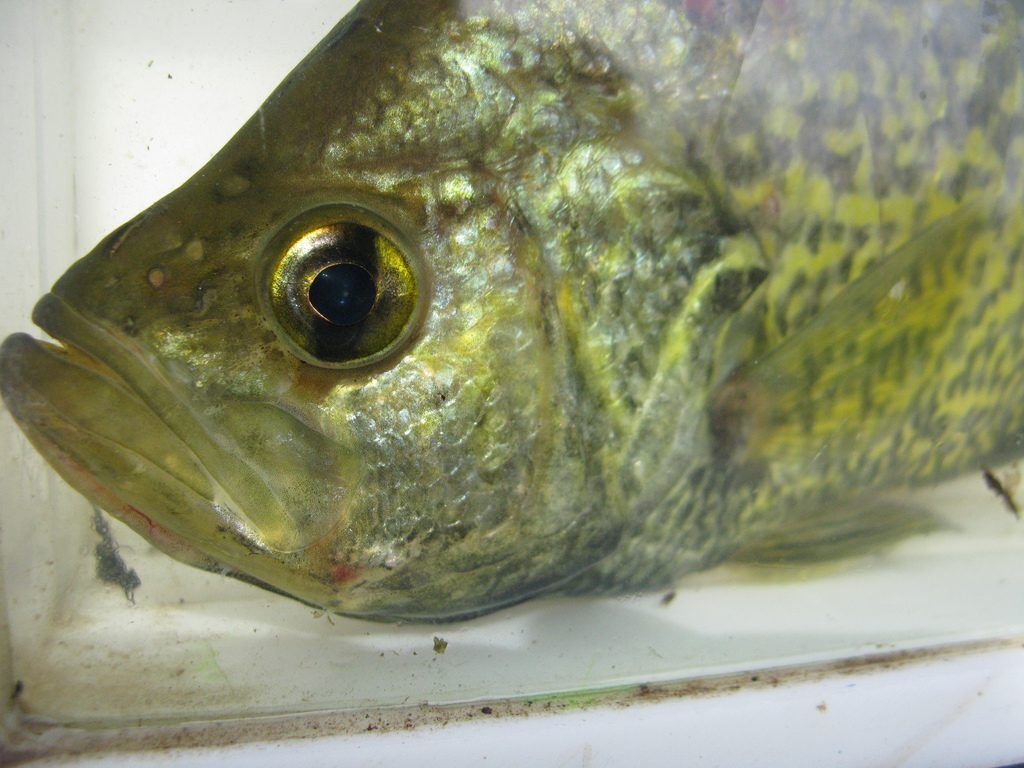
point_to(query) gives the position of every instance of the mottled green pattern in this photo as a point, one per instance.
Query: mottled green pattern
(689, 271)
(850, 130)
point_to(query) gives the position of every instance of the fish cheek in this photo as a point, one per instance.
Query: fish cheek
(493, 499)
(435, 437)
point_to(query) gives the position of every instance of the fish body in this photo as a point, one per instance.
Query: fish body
(496, 298)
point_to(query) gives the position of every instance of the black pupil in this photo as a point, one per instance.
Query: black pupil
(343, 294)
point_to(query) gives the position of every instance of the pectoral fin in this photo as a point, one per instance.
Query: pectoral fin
(915, 371)
(826, 534)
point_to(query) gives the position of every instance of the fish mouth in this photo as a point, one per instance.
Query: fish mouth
(103, 437)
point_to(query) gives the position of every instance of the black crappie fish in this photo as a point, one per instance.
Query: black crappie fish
(496, 298)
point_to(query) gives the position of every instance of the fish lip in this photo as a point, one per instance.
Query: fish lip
(40, 414)
(57, 317)
(139, 464)
(18, 345)
(39, 417)
(76, 352)
(110, 353)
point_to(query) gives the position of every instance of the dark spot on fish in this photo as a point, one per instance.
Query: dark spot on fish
(19, 688)
(733, 288)
(440, 645)
(958, 185)
(996, 486)
(742, 168)
(110, 567)
(845, 266)
(814, 237)
(486, 710)
(202, 299)
(860, 237)
(668, 597)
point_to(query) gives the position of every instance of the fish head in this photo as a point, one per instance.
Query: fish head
(330, 363)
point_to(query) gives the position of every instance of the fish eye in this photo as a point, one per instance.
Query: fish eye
(343, 293)
(341, 287)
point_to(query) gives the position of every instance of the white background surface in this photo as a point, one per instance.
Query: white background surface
(108, 105)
